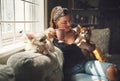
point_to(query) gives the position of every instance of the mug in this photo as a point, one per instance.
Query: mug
(60, 33)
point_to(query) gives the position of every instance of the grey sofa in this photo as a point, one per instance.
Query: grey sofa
(23, 64)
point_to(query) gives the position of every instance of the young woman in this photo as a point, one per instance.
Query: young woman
(76, 67)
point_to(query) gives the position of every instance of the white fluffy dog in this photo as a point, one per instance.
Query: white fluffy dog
(39, 43)
(47, 57)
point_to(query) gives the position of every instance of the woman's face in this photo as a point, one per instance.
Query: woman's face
(64, 22)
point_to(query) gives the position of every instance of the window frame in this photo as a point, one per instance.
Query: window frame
(41, 26)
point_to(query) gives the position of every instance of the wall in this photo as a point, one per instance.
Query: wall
(110, 17)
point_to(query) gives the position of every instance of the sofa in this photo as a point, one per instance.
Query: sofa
(10, 73)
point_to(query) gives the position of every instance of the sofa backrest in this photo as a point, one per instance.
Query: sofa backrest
(101, 38)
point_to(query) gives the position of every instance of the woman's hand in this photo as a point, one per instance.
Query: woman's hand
(89, 47)
(50, 33)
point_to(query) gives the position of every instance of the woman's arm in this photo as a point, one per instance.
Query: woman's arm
(89, 47)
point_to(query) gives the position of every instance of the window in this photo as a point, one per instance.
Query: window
(18, 17)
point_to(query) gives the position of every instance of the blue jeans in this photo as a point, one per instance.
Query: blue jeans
(89, 71)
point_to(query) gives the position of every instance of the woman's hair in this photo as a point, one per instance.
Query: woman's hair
(56, 13)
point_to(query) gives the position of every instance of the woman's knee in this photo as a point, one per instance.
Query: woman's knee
(96, 67)
(112, 72)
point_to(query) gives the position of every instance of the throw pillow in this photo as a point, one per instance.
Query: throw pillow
(101, 38)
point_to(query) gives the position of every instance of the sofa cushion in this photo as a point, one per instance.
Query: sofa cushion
(33, 66)
(6, 73)
(101, 38)
(27, 66)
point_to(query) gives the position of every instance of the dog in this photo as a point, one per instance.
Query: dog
(41, 44)
(38, 43)
(48, 64)
(84, 35)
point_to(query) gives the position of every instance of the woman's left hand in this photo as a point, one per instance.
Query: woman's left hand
(89, 47)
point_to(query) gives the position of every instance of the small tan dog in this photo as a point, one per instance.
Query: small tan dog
(84, 35)
(50, 60)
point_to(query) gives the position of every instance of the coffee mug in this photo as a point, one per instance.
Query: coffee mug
(60, 33)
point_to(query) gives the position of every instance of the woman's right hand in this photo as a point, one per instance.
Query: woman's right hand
(50, 33)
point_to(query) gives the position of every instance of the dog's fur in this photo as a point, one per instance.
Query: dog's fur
(51, 57)
(82, 33)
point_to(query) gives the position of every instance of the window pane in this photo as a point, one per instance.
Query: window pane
(19, 10)
(18, 16)
(7, 27)
(36, 1)
(29, 0)
(0, 35)
(8, 11)
(28, 12)
(7, 35)
(19, 27)
(28, 27)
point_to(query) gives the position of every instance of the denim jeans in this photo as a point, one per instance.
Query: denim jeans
(87, 77)
(89, 71)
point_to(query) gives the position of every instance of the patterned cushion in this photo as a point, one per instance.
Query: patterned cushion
(101, 38)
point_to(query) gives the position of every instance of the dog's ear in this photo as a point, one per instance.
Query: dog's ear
(79, 26)
(30, 36)
(77, 29)
(27, 37)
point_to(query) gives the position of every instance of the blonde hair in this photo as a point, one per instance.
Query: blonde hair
(56, 13)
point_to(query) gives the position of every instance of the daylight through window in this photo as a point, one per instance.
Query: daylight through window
(17, 17)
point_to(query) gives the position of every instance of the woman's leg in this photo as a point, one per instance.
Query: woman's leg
(77, 73)
(102, 69)
(87, 77)
(113, 73)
